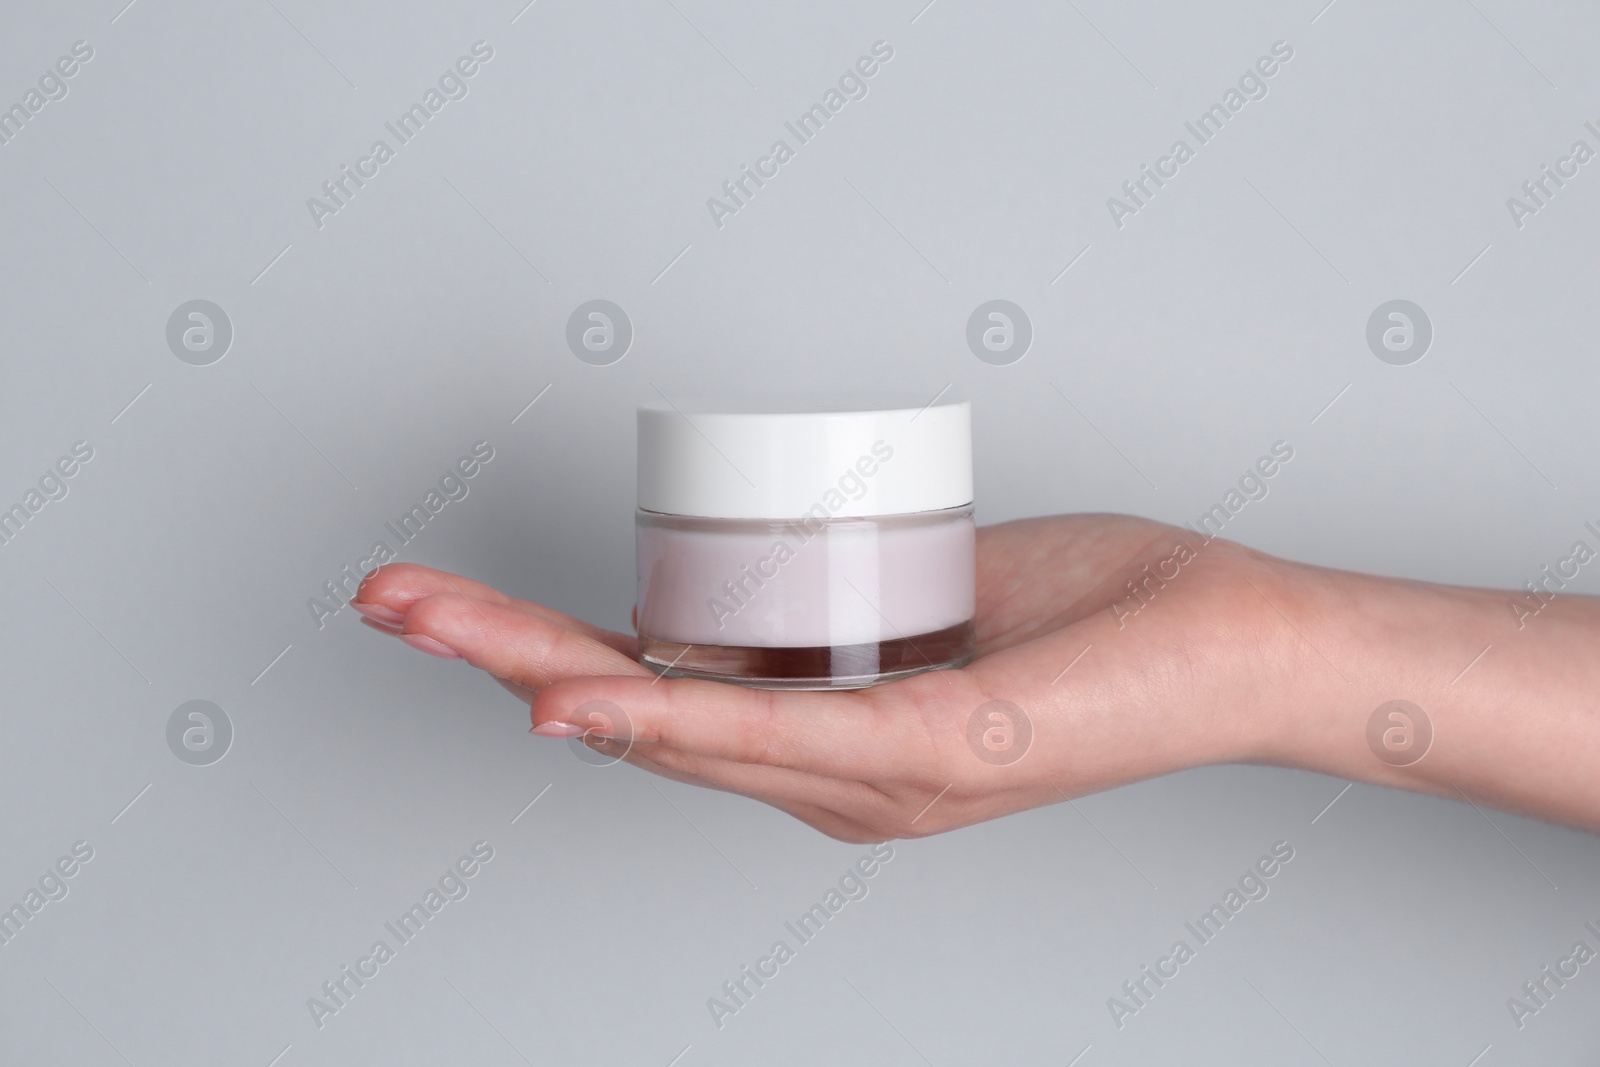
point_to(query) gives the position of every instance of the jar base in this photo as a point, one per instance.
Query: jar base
(817, 668)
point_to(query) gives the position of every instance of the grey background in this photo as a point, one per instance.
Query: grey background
(424, 316)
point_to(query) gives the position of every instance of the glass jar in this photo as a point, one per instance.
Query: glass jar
(805, 550)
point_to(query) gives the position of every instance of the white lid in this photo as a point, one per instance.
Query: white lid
(784, 465)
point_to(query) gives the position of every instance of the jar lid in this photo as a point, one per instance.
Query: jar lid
(822, 464)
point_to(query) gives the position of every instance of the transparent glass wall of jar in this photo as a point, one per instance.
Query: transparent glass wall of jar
(819, 604)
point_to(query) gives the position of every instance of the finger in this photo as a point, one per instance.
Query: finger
(381, 627)
(525, 649)
(521, 692)
(771, 784)
(396, 588)
(831, 822)
(878, 734)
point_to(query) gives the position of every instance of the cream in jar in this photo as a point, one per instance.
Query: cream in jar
(805, 550)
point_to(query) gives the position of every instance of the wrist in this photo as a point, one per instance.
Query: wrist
(1345, 645)
(1436, 689)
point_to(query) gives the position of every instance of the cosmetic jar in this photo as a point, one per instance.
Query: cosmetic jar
(805, 550)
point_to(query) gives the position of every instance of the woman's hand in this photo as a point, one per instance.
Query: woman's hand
(1114, 681)
(1120, 649)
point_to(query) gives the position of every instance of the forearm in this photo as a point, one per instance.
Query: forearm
(1513, 698)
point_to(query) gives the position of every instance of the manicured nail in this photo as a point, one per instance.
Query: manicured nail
(424, 643)
(382, 627)
(557, 729)
(379, 613)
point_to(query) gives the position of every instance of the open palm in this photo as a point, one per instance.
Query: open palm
(1096, 680)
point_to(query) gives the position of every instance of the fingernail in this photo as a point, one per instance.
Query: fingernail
(557, 729)
(424, 643)
(382, 627)
(379, 613)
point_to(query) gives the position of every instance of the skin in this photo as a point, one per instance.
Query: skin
(1226, 655)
